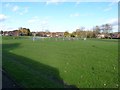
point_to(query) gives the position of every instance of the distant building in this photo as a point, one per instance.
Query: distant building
(50, 34)
(15, 33)
(11, 33)
(5, 33)
(118, 35)
(103, 36)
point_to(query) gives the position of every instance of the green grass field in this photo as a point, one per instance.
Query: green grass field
(85, 64)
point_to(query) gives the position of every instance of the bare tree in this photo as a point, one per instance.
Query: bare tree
(96, 29)
(106, 28)
(80, 32)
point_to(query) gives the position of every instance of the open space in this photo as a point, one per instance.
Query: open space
(59, 44)
(57, 63)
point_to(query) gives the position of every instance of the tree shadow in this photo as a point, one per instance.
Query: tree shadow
(29, 73)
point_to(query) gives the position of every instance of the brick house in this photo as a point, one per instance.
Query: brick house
(50, 34)
(11, 33)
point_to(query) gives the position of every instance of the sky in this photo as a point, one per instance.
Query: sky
(57, 16)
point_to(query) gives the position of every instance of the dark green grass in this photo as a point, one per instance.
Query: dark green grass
(91, 63)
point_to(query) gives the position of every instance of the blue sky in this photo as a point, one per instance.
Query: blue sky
(57, 16)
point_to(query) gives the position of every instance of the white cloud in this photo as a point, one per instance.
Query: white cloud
(23, 11)
(7, 5)
(110, 6)
(75, 15)
(3, 17)
(4, 27)
(15, 8)
(11, 28)
(33, 20)
(77, 2)
(36, 19)
(26, 9)
(54, 1)
(39, 24)
(78, 14)
(113, 3)
(44, 22)
(113, 21)
(115, 28)
(107, 9)
(59, 0)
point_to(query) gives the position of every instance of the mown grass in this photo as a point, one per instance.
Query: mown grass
(48, 63)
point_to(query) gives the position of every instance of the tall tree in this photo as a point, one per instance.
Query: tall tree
(89, 34)
(102, 27)
(1, 32)
(28, 31)
(73, 34)
(97, 30)
(108, 28)
(66, 34)
(24, 31)
(80, 32)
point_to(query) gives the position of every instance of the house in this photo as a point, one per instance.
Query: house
(49, 34)
(41, 34)
(33, 33)
(11, 33)
(103, 36)
(57, 34)
(60, 34)
(118, 35)
(53, 34)
(5, 33)
(15, 33)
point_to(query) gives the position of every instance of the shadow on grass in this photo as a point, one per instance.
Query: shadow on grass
(30, 73)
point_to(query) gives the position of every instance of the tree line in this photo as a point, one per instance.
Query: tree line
(20, 32)
(82, 33)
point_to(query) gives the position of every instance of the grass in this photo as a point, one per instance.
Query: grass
(85, 64)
